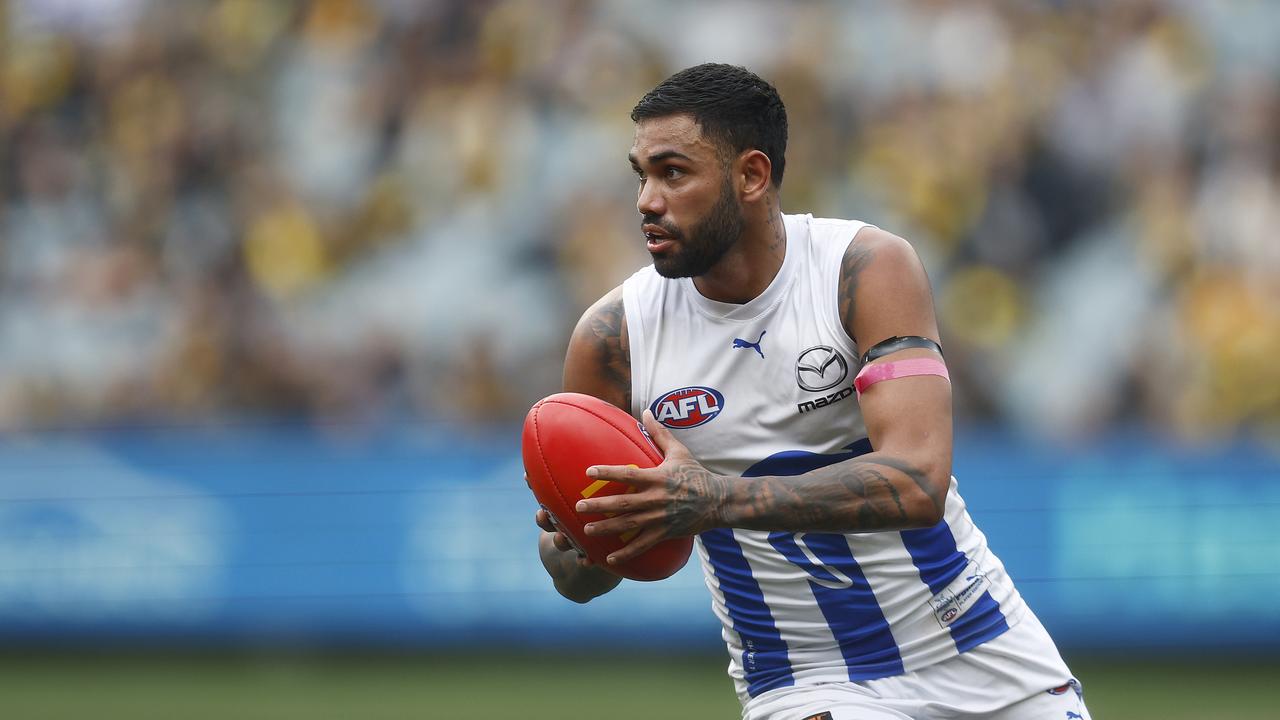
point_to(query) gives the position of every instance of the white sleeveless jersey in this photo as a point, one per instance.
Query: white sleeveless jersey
(766, 388)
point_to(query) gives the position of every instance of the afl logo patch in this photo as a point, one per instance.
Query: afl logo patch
(688, 407)
(821, 367)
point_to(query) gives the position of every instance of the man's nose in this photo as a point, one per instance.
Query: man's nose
(650, 201)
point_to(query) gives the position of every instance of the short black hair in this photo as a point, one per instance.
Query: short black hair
(736, 108)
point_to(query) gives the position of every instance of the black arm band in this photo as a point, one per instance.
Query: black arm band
(894, 344)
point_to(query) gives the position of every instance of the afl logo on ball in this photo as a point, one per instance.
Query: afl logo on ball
(819, 368)
(687, 407)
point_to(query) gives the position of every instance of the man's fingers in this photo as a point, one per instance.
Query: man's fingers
(629, 474)
(625, 474)
(620, 524)
(625, 502)
(558, 539)
(562, 542)
(647, 538)
(543, 519)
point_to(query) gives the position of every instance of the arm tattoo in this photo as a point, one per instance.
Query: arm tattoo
(937, 495)
(609, 330)
(852, 496)
(856, 259)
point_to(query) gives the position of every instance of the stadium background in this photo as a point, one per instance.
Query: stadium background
(279, 279)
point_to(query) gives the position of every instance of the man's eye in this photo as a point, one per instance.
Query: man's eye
(672, 173)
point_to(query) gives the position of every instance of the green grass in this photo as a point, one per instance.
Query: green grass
(525, 687)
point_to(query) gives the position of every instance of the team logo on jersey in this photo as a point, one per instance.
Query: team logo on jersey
(688, 407)
(821, 367)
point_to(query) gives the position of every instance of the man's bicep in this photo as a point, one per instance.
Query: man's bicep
(885, 294)
(884, 291)
(911, 415)
(598, 361)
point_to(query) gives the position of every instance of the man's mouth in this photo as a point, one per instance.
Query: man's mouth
(656, 239)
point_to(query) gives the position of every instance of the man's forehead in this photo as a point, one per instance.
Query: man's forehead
(680, 133)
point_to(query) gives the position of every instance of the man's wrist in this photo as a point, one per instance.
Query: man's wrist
(738, 490)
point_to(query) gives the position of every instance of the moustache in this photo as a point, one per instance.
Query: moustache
(666, 226)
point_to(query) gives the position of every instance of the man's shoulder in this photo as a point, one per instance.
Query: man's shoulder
(871, 240)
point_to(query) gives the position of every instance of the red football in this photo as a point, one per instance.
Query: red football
(566, 433)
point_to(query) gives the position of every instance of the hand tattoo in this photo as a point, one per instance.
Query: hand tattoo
(696, 498)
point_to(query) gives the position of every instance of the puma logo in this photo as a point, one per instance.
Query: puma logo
(740, 343)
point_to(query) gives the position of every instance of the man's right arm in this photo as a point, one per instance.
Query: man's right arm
(598, 363)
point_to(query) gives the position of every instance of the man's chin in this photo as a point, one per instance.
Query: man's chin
(670, 273)
(670, 267)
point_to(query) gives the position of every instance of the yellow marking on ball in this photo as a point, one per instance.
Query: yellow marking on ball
(595, 487)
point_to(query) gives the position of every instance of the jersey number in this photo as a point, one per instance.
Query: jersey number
(825, 557)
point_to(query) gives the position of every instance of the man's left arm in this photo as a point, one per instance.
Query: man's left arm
(902, 483)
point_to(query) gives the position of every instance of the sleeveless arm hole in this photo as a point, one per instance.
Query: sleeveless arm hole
(636, 344)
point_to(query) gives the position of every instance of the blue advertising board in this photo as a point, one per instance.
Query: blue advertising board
(424, 537)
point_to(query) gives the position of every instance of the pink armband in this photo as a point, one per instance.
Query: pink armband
(874, 373)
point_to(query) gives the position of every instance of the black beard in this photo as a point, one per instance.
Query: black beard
(706, 242)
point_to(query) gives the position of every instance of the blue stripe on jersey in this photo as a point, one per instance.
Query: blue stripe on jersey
(841, 590)
(934, 552)
(847, 603)
(797, 462)
(764, 654)
(983, 622)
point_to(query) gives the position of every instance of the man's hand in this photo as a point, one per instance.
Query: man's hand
(677, 498)
(574, 575)
(557, 539)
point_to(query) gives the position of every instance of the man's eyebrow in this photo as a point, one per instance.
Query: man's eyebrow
(660, 156)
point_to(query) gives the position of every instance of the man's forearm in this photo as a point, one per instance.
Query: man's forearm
(867, 493)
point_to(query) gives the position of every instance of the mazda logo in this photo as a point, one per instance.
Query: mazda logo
(819, 368)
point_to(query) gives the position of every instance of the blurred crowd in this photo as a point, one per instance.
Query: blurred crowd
(356, 211)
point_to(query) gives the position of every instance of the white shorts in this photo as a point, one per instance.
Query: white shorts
(1008, 678)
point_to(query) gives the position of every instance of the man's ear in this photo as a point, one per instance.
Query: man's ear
(754, 174)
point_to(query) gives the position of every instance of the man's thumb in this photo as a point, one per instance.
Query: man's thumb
(661, 436)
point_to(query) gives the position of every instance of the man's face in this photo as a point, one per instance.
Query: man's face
(690, 213)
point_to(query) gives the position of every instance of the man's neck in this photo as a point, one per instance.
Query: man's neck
(747, 269)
